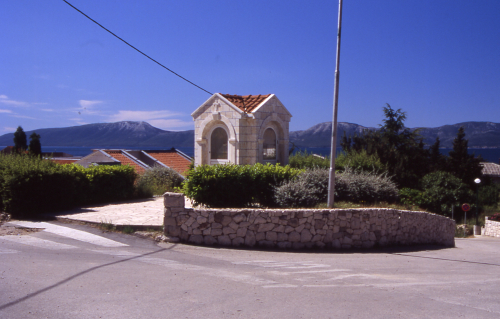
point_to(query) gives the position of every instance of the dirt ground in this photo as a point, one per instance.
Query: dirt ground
(12, 230)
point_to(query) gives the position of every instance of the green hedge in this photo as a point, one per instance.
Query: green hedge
(233, 185)
(30, 186)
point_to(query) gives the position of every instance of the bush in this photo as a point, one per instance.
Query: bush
(307, 190)
(30, 185)
(441, 191)
(360, 186)
(359, 161)
(158, 180)
(233, 185)
(311, 188)
(304, 160)
(495, 217)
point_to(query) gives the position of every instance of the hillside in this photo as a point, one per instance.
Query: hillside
(479, 134)
(124, 134)
(142, 134)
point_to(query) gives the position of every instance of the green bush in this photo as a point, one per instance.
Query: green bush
(359, 186)
(440, 192)
(360, 161)
(158, 180)
(233, 185)
(303, 160)
(30, 185)
(307, 190)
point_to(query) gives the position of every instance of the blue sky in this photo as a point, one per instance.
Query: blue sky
(438, 60)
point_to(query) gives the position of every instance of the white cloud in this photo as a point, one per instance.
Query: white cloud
(5, 100)
(48, 110)
(170, 124)
(88, 104)
(141, 115)
(5, 111)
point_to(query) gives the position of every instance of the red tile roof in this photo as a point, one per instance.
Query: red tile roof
(246, 103)
(125, 160)
(172, 159)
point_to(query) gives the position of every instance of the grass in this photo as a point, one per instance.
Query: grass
(127, 229)
(348, 205)
(107, 226)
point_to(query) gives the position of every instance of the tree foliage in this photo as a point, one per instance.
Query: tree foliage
(20, 141)
(35, 147)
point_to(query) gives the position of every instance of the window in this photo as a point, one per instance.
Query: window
(269, 147)
(218, 144)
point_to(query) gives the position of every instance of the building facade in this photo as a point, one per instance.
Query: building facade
(242, 130)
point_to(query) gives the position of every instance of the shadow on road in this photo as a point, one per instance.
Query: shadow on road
(36, 293)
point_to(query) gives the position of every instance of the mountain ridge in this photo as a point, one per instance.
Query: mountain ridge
(143, 134)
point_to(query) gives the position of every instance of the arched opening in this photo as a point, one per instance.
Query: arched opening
(269, 146)
(218, 146)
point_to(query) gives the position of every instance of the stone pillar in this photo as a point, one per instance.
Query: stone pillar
(174, 204)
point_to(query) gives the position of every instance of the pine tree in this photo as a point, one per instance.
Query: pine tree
(35, 147)
(20, 141)
(462, 164)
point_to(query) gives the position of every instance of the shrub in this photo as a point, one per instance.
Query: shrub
(307, 190)
(159, 180)
(30, 185)
(360, 186)
(442, 190)
(303, 160)
(311, 188)
(233, 185)
(495, 217)
(359, 161)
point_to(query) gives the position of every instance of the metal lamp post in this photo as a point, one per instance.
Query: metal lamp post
(331, 180)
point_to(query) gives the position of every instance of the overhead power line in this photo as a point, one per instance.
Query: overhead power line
(130, 45)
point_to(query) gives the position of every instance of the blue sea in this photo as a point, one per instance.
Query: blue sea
(488, 154)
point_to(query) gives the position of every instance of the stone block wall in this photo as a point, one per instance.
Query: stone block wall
(491, 228)
(304, 228)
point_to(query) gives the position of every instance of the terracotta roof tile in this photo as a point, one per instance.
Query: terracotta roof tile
(246, 103)
(117, 154)
(172, 159)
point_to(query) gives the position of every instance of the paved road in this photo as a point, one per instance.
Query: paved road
(74, 271)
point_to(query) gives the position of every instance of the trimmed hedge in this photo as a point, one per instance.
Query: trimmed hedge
(30, 186)
(236, 186)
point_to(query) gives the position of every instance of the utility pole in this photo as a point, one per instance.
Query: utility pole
(331, 182)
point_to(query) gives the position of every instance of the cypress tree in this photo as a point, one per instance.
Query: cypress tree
(20, 141)
(35, 147)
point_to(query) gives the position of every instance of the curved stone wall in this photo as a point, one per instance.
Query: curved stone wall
(491, 228)
(304, 228)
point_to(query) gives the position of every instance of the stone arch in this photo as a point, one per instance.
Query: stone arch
(278, 126)
(208, 126)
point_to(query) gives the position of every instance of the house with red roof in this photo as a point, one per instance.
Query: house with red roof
(140, 160)
(241, 129)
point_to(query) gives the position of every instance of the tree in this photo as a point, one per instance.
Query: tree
(35, 147)
(399, 149)
(462, 164)
(437, 161)
(20, 142)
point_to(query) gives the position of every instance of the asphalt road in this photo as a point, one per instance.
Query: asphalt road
(74, 271)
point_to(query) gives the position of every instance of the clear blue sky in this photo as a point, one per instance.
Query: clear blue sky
(438, 60)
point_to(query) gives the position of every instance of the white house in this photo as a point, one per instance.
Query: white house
(239, 129)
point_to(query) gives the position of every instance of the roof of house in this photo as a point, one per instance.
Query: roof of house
(174, 159)
(246, 103)
(125, 159)
(491, 169)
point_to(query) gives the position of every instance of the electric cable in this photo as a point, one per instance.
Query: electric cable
(130, 45)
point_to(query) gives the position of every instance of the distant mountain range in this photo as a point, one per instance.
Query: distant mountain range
(142, 134)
